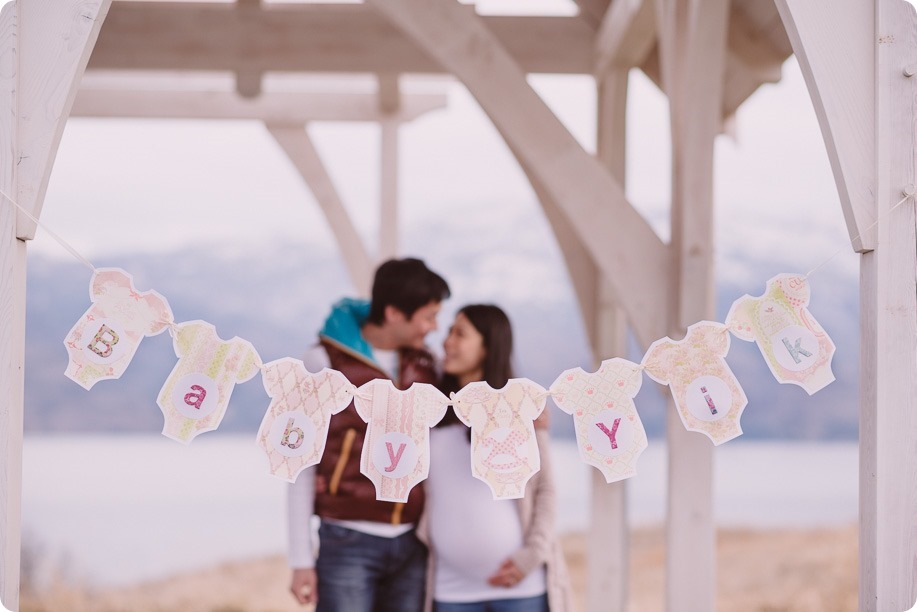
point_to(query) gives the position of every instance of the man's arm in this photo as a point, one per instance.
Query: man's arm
(300, 504)
(300, 508)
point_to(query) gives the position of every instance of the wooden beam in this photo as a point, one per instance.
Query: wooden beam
(271, 107)
(297, 144)
(592, 11)
(388, 191)
(754, 48)
(12, 319)
(353, 38)
(626, 36)
(609, 544)
(44, 46)
(834, 43)
(888, 561)
(693, 50)
(55, 42)
(623, 244)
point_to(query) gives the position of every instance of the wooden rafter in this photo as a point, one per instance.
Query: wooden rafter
(626, 35)
(297, 144)
(311, 38)
(270, 107)
(625, 247)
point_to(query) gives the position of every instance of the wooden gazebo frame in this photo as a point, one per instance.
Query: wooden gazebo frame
(708, 56)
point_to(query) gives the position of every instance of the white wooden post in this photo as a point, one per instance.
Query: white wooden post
(388, 191)
(389, 103)
(889, 543)
(855, 57)
(608, 570)
(693, 49)
(44, 48)
(12, 317)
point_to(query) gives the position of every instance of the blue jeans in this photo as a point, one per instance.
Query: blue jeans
(539, 603)
(358, 572)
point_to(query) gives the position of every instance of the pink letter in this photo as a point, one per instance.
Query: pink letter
(100, 339)
(709, 399)
(611, 434)
(196, 399)
(393, 457)
(292, 430)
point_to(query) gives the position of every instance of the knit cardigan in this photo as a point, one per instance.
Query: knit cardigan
(540, 542)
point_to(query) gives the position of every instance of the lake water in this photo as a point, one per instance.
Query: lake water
(113, 509)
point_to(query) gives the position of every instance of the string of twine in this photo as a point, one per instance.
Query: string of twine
(879, 218)
(60, 240)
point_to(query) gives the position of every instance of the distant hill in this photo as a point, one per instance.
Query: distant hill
(276, 298)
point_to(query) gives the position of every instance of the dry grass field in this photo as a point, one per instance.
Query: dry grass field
(757, 571)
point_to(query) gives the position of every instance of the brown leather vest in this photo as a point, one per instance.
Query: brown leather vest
(343, 492)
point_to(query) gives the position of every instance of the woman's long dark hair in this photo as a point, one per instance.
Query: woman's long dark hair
(497, 333)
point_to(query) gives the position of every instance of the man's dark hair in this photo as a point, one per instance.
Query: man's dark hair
(407, 284)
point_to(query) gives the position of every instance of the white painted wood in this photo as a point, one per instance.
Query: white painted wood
(55, 40)
(868, 480)
(608, 552)
(592, 11)
(12, 318)
(311, 37)
(389, 93)
(608, 569)
(896, 293)
(693, 52)
(626, 36)
(753, 48)
(388, 191)
(833, 41)
(270, 107)
(297, 144)
(623, 244)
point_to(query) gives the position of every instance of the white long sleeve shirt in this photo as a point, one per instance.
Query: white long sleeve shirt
(301, 541)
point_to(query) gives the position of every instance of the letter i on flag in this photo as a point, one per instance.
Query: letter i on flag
(609, 432)
(795, 347)
(707, 395)
(294, 430)
(103, 341)
(396, 451)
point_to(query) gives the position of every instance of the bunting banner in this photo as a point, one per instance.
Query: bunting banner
(104, 340)
(396, 449)
(707, 394)
(609, 432)
(294, 429)
(795, 347)
(504, 451)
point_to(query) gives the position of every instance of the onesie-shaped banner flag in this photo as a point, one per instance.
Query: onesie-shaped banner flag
(609, 432)
(707, 394)
(794, 345)
(195, 396)
(396, 451)
(103, 341)
(504, 452)
(295, 427)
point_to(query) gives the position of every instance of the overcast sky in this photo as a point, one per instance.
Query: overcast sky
(153, 184)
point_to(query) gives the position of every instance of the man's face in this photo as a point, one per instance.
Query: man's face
(410, 332)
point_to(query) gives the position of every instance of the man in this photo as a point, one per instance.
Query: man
(369, 557)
